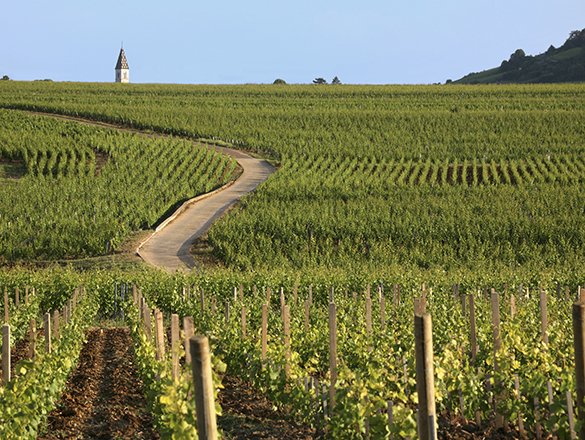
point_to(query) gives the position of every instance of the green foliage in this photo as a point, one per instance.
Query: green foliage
(171, 401)
(79, 196)
(371, 369)
(27, 399)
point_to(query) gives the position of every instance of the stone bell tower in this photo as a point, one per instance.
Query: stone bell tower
(122, 69)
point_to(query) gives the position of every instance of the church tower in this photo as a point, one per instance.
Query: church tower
(122, 70)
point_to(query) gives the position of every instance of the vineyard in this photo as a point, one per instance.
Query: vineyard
(86, 187)
(459, 204)
(499, 358)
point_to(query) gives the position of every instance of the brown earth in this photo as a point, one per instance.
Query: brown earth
(249, 415)
(103, 398)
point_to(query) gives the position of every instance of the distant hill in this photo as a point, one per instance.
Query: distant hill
(565, 64)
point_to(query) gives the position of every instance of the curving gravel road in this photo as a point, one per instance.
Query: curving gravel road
(169, 248)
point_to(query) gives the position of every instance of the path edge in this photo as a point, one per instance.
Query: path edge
(182, 208)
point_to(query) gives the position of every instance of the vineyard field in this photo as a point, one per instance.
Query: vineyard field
(86, 187)
(463, 202)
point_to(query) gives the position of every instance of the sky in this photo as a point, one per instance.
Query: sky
(258, 41)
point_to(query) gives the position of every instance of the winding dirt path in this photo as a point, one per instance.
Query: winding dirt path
(169, 246)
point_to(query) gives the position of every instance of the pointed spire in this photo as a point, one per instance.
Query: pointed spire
(122, 63)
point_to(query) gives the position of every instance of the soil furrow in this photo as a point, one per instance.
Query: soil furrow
(104, 397)
(248, 415)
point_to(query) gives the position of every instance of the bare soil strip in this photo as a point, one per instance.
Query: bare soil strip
(248, 415)
(104, 398)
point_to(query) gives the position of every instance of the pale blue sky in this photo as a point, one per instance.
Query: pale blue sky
(257, 41)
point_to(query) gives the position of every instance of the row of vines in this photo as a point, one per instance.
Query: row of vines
(86, 187)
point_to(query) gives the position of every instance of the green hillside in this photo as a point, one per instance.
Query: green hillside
(565, 64)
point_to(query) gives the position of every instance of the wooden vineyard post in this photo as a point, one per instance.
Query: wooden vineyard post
(497, 345)
(227, 312)
(264, 330)
(282, 303)
(520, 292)
(188, 329)
(5, 353)
(346, 289)
(311, 294)
(296, 295)
(16, 297)
(202, 300)
(463, 305)
(518, 396)
(32, 339)
(203, 386)
(47, 324)
(512, 307)
(418, 310)
(141, 302)
(6, 307)
(543, 317)
(147, 322)
(550, 404)
(383, 313)
(579, 345)
(158, 334)
(581, 295)
(570, 413)
(243, 322)
(134, 294)
(537, 427)
(474, 350)
(425, 380)
(332, 353)
(331, 295)
(56, 323)
(307, 306)
(175, 341)
(268, 296)
(368, 316)
(286, 325)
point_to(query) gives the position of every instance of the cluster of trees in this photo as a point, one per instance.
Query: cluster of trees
(550, 66)
(324, 81)
(315, 81)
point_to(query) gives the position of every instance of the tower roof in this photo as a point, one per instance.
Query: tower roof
(122, 63)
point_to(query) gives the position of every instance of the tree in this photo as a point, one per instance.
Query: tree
(319, 81)
(335, 81)
(517, 57)
(279, 81)
(5, 78)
